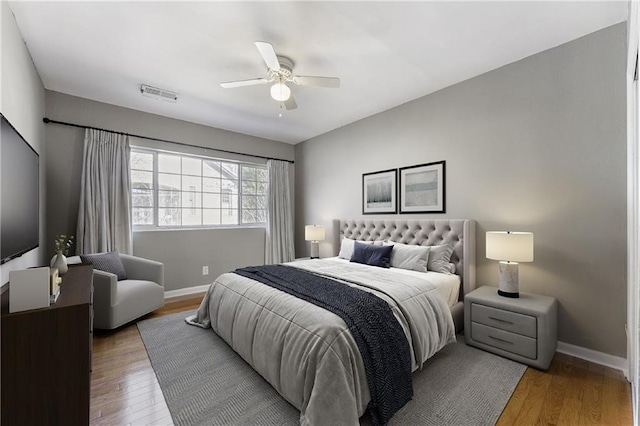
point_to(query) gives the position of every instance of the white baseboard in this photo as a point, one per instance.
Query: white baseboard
(596, 357)
(186, 291)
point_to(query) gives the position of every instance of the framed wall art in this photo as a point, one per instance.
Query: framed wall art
(422, 188)
(379, 192)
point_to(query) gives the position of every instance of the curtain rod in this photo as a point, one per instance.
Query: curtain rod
(47, 121)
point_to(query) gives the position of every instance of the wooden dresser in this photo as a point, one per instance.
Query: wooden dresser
(46, 356)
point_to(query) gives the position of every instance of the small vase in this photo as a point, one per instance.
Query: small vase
(60, 261)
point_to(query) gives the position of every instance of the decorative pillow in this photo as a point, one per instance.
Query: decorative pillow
(440, 258)
(411, 257)
(373, 255)
(346, 247)
(107, 262)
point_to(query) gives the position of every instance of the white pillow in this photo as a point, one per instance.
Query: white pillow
(347, 245)
(440, 259)
(411, 257)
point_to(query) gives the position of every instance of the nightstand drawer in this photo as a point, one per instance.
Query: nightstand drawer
(504, 320)
(511, 342)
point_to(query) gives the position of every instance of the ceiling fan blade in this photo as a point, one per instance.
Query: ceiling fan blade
(268, 55)
(242, 83)
(308, 80)
(290, 103)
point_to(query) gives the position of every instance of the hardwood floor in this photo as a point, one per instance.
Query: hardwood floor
(124, 389)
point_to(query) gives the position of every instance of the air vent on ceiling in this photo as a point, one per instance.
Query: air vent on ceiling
(160, 94)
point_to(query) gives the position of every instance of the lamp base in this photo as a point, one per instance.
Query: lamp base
(508, 279)
(315, 250)
(507, 294)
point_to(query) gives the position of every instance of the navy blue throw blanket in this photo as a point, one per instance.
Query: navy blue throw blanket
(383, 345)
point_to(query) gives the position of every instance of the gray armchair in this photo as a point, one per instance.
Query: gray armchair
(116, 303)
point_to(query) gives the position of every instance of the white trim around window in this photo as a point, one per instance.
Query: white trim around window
(178, 191)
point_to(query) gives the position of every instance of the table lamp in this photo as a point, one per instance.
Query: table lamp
(509, 248)
(315, 234)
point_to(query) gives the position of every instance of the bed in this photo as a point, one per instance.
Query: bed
(307, 353)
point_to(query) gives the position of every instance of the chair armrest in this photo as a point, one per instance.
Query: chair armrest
(138, 268)
(105, 286)
(105, 289)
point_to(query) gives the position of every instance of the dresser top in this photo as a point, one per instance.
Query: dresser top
(75, 289)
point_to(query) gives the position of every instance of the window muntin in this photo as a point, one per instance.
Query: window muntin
(174, 190)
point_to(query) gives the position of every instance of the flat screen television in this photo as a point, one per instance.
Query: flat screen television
(19, 194)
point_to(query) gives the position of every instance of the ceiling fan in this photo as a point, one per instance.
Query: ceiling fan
(279, 72)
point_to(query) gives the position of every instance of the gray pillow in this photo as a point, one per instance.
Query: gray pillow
(440, 258)
(411, 257)
(452, 268)
(107, 262)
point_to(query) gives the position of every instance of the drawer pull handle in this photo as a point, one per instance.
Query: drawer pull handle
(501, 320)
(501, 340)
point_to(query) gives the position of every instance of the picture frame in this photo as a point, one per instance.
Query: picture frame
(423, 188)
(379, 192)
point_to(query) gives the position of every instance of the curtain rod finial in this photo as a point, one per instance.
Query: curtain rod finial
(46, 120)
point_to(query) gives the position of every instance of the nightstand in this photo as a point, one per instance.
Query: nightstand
(523, 329)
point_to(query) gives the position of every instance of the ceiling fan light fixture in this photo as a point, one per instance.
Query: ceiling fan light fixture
(279, 72)
(280, 92)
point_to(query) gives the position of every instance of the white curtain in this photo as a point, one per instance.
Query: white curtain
(279, 242)
(104, 215)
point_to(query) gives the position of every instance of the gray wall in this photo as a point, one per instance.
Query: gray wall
(22, 103)
(183, 252)
(538, 145)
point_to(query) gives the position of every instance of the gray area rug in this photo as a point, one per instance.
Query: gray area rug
(205, 382)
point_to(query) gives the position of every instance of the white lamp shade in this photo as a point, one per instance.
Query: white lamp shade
(280, 92)
(314, 233)
(510, 246)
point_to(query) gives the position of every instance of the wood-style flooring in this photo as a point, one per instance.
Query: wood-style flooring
(124, 389)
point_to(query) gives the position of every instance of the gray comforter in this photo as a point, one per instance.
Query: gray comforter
(307, 353)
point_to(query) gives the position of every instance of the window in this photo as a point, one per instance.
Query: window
(175, 190)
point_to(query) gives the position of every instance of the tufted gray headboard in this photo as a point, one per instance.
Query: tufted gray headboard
(426, 232)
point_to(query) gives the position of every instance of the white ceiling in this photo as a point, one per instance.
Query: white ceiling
(385, 53)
